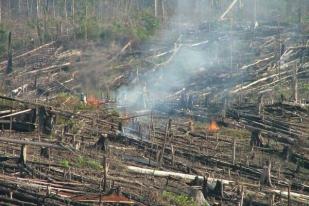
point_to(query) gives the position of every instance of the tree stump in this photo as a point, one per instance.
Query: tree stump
(219, 189)
(23, 154)
(266, 175)
(286, 152)
(205, 187)
(44, 152)
(256, 139)
(102, 143)
(198, 197)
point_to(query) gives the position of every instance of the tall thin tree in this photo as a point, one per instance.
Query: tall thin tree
(9, 68)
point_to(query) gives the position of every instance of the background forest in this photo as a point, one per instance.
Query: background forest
(34, 22)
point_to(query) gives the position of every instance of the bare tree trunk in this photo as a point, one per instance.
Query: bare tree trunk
(106, 166)
(261, 105)
(19, 7)
(65, 10)
(256, 139)
(295, 85)
(9, 10)
(173, 154)
(73, 11)
(255, 12)
(289, 195)
(266, 175)
(234, 150)
(86, 16)
(163, 10)
(300, 3)
(0, 11)
(9, 68)
(156, 8)
(54, 9)
(23, 154)
(271, 200)
(242, 196)
(164, 145)
(31, 8)
(27, 5)
(38, 8)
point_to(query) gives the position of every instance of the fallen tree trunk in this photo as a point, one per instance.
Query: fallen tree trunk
(46, 69)
(30, 52)
(159, 173)
(16, 113)
(25, 142)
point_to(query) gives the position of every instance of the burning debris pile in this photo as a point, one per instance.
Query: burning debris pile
(213, 127)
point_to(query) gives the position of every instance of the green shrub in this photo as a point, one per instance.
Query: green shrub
(178, 200)
(93, 164)
(106, 34)
(306, 87)
(146, 26)
(64, 163)
(89, 163)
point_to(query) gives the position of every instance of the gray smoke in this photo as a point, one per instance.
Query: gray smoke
(199, 49)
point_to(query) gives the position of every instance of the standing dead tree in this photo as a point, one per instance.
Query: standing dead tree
(266, 174)
(256, 139)
(9, 68)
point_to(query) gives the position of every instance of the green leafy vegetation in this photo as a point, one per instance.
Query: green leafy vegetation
(141, 29)
(306, 87)
(178, 200)
(82, 161)
(146, 26)
(64, 163)
(81, 20)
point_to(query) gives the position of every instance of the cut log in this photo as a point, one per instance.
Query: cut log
(16, 113)
(25, 142)
(159, 173)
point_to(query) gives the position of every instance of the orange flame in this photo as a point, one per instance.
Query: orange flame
(93, 101)
(213, 127)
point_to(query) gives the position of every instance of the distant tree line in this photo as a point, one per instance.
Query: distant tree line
(44, 20)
